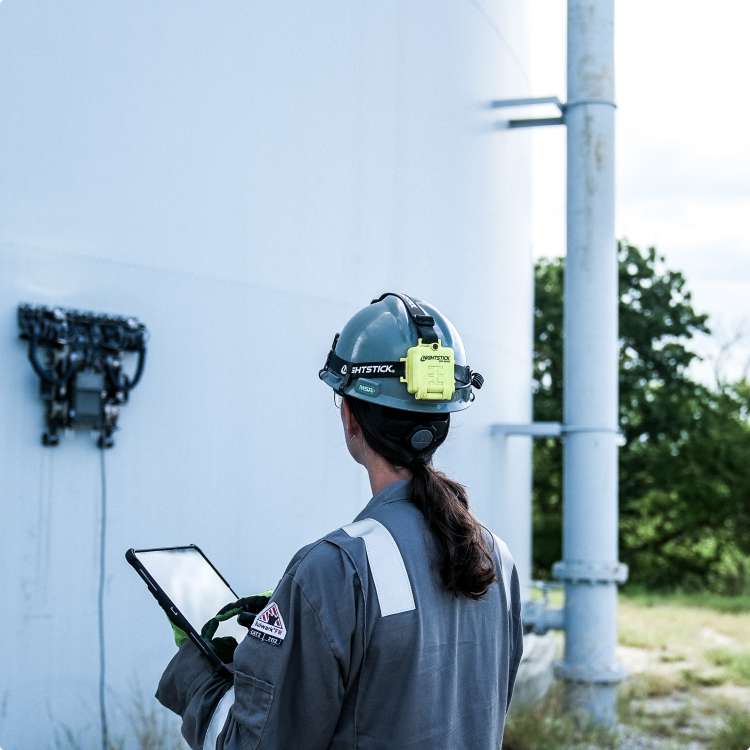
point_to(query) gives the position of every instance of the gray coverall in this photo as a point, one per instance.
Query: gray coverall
(362, 647)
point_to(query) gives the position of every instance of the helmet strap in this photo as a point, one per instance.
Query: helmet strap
(424, 322)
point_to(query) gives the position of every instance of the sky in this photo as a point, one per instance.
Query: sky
(683, 150)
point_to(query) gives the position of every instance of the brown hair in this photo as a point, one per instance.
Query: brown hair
(466, 566)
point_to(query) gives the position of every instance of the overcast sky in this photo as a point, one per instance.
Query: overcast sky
(683, 146)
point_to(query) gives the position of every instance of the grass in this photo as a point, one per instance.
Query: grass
(671, 658)
(736, 663)
(547, 725)
(635, 637)
(689, 659)
(735, 734)
(664, 712)
(151, 727)
(674, 625)
(739, 604)
(651, 685)
(692, 667)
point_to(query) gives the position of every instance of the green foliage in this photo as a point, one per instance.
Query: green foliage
(150, 727)
(735, 663)
(738, 604)
(684, 485)
(548, 724)
(735, 734)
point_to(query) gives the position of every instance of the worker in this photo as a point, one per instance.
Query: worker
(401, 629)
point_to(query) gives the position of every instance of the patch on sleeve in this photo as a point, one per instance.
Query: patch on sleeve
(268, 626)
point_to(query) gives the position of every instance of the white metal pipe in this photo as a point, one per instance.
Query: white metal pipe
(512, 514)
(590, 569)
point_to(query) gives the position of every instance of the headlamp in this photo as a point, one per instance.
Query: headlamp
(430, 371)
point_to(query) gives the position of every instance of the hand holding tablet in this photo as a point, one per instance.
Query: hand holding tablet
(193, 594)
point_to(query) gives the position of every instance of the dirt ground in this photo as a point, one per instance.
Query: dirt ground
(689, 671)
(688, 659)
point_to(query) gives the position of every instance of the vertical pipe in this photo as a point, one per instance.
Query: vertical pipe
(512, 515)
(590, 569)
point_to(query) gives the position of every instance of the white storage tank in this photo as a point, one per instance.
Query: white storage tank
(242, 177)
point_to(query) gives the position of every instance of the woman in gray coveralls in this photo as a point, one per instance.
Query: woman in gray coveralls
(401, 629)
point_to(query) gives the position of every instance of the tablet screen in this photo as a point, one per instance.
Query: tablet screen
(196, 589)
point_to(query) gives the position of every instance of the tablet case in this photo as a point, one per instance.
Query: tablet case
(171, 611)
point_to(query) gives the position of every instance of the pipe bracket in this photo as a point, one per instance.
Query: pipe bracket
(569, 429)
(554, 101)
(581, 102)
(590, 673)
(590, 571)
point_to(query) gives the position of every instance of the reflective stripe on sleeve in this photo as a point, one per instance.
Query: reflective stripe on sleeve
(388, 570)
(218, 719)
(507, 563)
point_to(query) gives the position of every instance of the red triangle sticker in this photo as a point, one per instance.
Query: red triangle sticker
(270, 622)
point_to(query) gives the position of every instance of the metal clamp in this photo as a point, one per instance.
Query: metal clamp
(590, 673)
(532, 122)
(580, 102)
(578, 428)
(547, 429)
(589, 571)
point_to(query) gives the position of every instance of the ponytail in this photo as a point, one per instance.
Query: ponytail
(466, 566)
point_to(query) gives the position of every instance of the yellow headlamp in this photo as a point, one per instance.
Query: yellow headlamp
(430, 371)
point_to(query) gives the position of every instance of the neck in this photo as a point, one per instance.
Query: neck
(382, 474)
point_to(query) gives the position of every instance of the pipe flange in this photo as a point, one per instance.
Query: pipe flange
(590, 674)
(590, 571)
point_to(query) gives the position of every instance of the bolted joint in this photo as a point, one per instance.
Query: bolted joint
(590, 571)
(590, 674)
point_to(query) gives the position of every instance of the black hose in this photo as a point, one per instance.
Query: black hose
(138, 369)
(42, 372)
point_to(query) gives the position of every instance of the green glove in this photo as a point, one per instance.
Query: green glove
(180, 636)
(252, 606)
(244, 610)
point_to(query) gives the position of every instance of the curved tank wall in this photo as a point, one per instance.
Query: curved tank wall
(242, 177)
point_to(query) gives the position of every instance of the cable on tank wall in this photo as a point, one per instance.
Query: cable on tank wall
(100, 603)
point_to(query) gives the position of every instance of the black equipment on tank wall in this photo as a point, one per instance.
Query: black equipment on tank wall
(78, 356)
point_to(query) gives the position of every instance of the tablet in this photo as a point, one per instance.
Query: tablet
(189, 589)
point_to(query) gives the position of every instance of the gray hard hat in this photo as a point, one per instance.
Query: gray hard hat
(367, 359)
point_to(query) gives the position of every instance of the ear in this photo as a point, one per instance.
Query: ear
(351, 426)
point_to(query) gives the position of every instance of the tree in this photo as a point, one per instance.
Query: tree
(684, 488)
